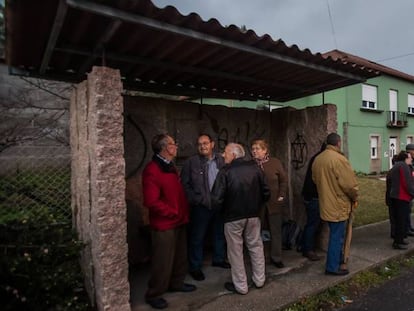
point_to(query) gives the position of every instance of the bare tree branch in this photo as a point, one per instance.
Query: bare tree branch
(33, 110)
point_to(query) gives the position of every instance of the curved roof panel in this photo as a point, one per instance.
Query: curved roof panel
(163, 51)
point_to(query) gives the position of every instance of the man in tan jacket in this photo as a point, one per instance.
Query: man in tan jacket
(337, 189)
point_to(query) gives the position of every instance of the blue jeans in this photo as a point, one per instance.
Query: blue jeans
(335, 246)
(312, 225)
(200, 219)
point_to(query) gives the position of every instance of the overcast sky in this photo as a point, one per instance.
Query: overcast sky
(378, 30)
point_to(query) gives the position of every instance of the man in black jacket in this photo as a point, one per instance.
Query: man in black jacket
(240, 192)
(197, 176)
(313, 219)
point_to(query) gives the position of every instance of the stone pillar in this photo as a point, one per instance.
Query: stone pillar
(98, 185)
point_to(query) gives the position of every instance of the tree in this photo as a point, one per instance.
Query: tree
(33, 110)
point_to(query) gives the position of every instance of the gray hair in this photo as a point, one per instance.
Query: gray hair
(237, 150)
(159, 142)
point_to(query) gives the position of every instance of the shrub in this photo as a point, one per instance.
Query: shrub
(39, 269)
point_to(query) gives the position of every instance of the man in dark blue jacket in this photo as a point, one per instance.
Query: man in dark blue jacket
(313, 218)
(197, 176)
(239, 192)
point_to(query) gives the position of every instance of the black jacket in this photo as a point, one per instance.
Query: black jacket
(195, 179)
(240, 190)
(309, 190)
(401, 182)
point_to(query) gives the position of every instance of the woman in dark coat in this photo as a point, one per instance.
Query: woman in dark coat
(277, 181)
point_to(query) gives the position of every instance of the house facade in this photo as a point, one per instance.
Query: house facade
(375, 118)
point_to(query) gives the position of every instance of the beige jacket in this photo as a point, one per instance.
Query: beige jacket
(336, 183)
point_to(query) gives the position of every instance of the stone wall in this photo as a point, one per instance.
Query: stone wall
(294, 136)
(98, 187)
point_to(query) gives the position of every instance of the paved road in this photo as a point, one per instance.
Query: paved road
(397, 295)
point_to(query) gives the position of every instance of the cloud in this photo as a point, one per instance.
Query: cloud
(373, 29)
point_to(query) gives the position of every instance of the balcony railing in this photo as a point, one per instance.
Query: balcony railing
(396, 119)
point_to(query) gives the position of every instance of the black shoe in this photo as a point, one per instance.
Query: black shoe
(278, 264)
(311, 256)
(339, 272)
(157, 303)
(197, 275)
(186, 288)
(231, 288)
(399, 246)
(410, 233)
(221, 264)
(405, 242)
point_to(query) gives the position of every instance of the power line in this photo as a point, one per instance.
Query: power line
(332, 26)
(395, 57)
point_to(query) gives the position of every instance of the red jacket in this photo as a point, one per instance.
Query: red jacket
(164, 196)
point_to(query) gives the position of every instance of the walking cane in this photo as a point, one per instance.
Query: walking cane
(348, 237)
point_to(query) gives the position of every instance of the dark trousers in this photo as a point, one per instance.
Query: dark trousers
(275, 228)
(168, 261)
(312, 225)
(391, 214)
(408, 222)
(200, 220)
(400, 210)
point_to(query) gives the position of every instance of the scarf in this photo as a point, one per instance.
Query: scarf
(260, 162)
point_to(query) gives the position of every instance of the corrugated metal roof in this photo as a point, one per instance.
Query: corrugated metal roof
(160, 50)
(346, 57)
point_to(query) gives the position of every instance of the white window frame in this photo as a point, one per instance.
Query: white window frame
(411, 104)
(369, 96)
(374, 144)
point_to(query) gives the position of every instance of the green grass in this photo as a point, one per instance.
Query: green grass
(339, 295)
(371, 203)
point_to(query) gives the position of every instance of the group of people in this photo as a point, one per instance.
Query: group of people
(236, 198)
(398, 196)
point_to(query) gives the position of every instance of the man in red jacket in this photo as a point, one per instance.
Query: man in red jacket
(168, 215)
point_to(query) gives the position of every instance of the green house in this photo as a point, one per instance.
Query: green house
(375, 118)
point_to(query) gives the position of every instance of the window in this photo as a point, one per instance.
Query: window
(374, 147)
(410, 140)
(369, 96)
(410, 104)
(393, 96)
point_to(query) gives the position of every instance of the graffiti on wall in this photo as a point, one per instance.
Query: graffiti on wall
(299, 152)
(242, 135)
(136, 146)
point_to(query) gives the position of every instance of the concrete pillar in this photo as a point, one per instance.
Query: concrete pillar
(98, 187)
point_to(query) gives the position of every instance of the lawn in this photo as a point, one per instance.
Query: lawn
(371, 207)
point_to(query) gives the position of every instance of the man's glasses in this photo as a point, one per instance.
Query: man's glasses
(206, 143)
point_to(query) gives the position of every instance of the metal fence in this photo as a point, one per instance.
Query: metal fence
(35, 185)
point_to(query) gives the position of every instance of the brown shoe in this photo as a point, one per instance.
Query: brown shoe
(311, 256)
